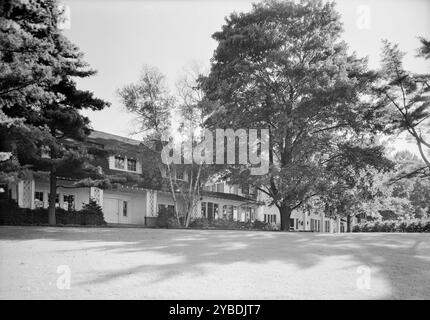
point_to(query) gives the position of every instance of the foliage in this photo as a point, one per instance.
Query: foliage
(403, 99)
(92, 207)
(424, 50)
(149, 99)
(204, 223)
(11, 214)
(166, 219)
(411, 191)
(413, 225)
(282, 66)
(38, 95)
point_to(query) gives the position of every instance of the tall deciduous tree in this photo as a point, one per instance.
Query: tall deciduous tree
(282, 66)
(37, 85)
(190, 129)
(151, 101)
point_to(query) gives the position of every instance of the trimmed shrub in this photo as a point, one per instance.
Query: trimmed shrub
(11, 214)
(413, 225)
(200, 223)
(204, 223)
(166, 219)
(91, 213)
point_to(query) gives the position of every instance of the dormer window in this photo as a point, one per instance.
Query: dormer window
(119, 162)
(131, 165)
(124, 163)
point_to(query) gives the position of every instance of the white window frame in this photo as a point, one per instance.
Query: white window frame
(112, 163)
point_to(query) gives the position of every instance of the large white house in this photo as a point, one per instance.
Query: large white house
(137, 204)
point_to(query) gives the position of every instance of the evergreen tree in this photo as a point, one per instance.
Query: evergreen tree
(37, 85)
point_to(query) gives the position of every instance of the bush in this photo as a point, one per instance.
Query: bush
(199, 223)
(413, 225)
(11, 214)
(91, 213)
(92, 208)
(204, 223)
(166, 219)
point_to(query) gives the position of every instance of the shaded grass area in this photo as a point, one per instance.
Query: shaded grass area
(211, 264)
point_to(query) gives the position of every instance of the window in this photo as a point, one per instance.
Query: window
(270, 218)
(168, 207)
(119, 162)
(216, 215)
(57, 200)
(249, 214)
(212, 211)
(204, 209)
(315, 225)
(291, 223)
(131, 165)
(235, 189)
(220, 187)
(213, 187)
(252, 213)
(124, 208)
(38, 199)
(180, 175)
(327, 226)
(69, 202)
(245, 188)
(227, 212)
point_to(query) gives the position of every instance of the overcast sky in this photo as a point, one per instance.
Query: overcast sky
(117, 37)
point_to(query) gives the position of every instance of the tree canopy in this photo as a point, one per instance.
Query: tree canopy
(283, 66)
(38, 92)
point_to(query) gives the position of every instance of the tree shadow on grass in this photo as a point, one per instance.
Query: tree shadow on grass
(403, 259)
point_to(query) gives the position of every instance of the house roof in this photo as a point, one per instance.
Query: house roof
(222, 195)
(109, 136)
(103, 137)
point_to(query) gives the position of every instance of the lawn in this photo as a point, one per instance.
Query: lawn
(135, 263)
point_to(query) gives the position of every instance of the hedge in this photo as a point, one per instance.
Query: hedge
(413, 225)
(11, 214)
(166, 219)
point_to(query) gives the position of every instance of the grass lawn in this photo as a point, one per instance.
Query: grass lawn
(134, 263)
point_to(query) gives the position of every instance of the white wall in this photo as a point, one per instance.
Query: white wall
(136, 205)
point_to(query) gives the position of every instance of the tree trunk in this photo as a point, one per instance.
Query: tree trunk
(189, 213)
(348, 223)
(172, 190)
(285, 213)
(52, 196)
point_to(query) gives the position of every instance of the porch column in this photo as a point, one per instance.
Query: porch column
(304, 220)
(322, 226)
(25, 196)
(151, 203)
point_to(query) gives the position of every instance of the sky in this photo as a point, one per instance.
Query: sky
(118, 37)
